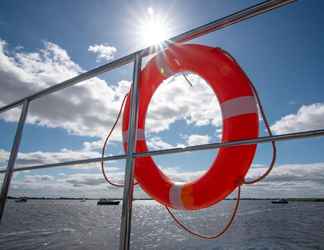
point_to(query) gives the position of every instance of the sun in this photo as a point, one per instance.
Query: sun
(153, 28)
(153, 32)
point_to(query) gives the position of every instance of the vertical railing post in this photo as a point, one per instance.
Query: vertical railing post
(12, 158)
(125, 226)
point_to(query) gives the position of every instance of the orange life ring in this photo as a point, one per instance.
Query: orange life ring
(240, 121)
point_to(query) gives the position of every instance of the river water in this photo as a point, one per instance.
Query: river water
(84, 225)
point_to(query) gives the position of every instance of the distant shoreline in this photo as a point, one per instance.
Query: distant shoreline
(78, 198)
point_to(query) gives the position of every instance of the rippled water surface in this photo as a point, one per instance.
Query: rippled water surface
(84, 225)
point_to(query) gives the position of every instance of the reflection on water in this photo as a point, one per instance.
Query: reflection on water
(75, 225)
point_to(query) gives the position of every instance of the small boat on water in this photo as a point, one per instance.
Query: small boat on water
(108, 202)
(280, 201)
(21, 200)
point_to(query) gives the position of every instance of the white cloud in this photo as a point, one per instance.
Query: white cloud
(150, 11)
(38, 178)
(175, 99)
(288, 180)
(103, 51)
(91, 185)
(307, 117)
(312, 172)
(82, 184)
(93, 146)
(197, 139)
(91, 107)
(89, 150)
(178, 175)
(155, 143)
(77, 185)
(81, 180)
(85, 109)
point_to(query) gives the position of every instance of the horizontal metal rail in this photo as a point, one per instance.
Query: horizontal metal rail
(186, 36)
(259, 140)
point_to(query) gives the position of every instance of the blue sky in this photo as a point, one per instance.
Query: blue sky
(43, 43)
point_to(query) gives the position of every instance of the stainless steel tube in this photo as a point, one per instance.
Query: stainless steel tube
(12, 158)
(263, 139)
(69, 163)
(125, 227)
(231, 19)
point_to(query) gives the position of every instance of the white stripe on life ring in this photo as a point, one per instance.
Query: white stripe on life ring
(140, 135)
(239, 106)
(175, 195)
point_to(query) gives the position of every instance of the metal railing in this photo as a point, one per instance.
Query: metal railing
(130, 155)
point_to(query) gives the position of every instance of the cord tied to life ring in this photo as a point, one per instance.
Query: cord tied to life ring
(239, 103)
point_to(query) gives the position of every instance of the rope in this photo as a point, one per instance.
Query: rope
(230, 221)
(209, 237)
(273, 143)
(104, 147)
(108, 136)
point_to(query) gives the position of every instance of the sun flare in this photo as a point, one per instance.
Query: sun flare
(153, 28)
